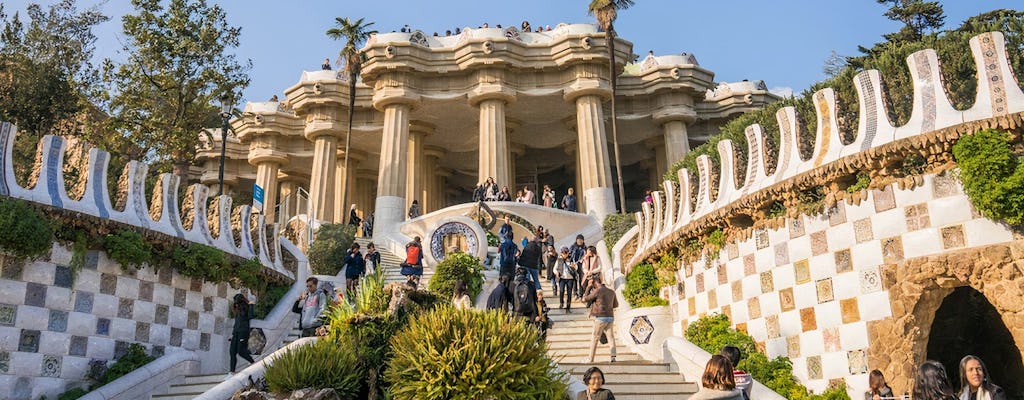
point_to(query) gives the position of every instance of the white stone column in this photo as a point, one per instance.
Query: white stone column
(321, 180)
(266, 178)
(415, 171)
(391, 178)
(432, 178)
(345, 186)
(494, 156)
(594, 163)
(288, 187)
(677, 141)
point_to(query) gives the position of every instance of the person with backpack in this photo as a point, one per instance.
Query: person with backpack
(602, 309)
(501, 297)
(412, 268)
(310, 306)
(355, 266)
(524, 297)
(242, 307)
(508, 254)
(532, 258)
(742, 379)
(566, 275)
(576, 253)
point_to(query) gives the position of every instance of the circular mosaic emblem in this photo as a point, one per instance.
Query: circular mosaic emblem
(452, 228)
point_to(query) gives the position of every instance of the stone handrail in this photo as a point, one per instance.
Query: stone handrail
(189, 221)
(256, 371)
(691, 361)
(139, 383)
(998, 96)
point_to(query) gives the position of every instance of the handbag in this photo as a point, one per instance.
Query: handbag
(603, 339)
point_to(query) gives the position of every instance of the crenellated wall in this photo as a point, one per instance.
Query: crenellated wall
(830, 289)
(235, 231)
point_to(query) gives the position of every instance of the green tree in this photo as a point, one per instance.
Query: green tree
(179, 63)
(917, 16)
(606, 11)
(355, 33)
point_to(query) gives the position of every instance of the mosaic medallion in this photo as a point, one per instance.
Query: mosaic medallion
(641, 329)
(452, 228)
(8, 313)
(51, 366)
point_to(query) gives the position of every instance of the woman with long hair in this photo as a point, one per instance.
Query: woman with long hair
(239, 346)
(593, 377)
(461, 298)
(877, 388)
(932, 383)
(718, 382)
(974, 381)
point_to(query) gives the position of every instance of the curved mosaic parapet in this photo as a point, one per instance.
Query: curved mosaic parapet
(998, 94)
(163, 214)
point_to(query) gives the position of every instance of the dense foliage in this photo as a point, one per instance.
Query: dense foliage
(133, 359)
(24, 232)
(616, 225)
(323, 364)
(128, 248)
(268, 299)
(449, 354)
(642, 287)
(714, 332)
(201, 261)
(992, 175)
(327, 253)
(455, 267)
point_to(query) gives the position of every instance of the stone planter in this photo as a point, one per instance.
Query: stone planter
(644, 330)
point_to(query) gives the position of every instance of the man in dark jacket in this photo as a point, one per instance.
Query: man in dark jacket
(501, 297)
(524, 297)
(531, 259)
(603, 310)
(508, 253)
(576, 253)
(569, 201)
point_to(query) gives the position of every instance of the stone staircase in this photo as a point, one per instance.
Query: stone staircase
(391, 262)
(192, 386)
(630, 377)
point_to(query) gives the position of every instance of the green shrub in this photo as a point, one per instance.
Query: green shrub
(73, 394)
(201, 261)
(327, 253)
(24, 232)
(269, 298)
(992, 175)
(450, 354)
(666, 269)
(616, 225)
(128, 248)
(492, 239)
(133, 359)
(776, 209)
(455, 267)
(642, 287)
(248, 272)
(324, 364)
(863, 181)
(716, 239)
(714, 332)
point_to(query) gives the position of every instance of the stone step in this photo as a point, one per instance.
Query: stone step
(619, 367)
(193, 386)
(660, 378)
(643, 387)
(203, 379)
(581, 357)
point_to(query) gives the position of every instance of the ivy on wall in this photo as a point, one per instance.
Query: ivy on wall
(992, 174)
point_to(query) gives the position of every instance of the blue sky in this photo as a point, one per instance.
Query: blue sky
(783, 42)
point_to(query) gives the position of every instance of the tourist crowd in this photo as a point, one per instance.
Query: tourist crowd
(489, 191)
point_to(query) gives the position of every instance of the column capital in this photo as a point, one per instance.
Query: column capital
(654, 142)
(588, 87)
(491, 91)
(681, 113)
(260, 156)
(355, 155)
(315, 129)
(421, 128)
(570, 148)
(434, 151)
(391, 96)
(517, 149)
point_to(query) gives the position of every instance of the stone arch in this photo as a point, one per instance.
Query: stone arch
(917, 287)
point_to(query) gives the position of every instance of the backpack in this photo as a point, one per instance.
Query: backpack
(412, 255)
(523, 304)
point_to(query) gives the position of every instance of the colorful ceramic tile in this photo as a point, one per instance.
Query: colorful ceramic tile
(944, 185)
(844, 261)
(796, 227)
(953, 237)
(782, 254)
(786, 300)
(727, 311)
(814, 367)
(884, 198)
(825, 291)
(641, 329)
(145, 291)
(108, 283)
(35, 294)
(699, 282)
(772, 324)
(862, 230)
(870, 281)
(754, 308)
(767, 284)
(732, 250)
(749, 268)
(850, 309)
(917, 216)
(8, 314)
(892, 249)
(29, 341)
(712, 299)
(723, 274)
(691, 304)
(761, 238)
(742, 327)
(5, 362)
(802, 271)
(819, 243)
(808, 319)
(51, 366)
(858, 362)
(737, 290)
(793, 346)
(837, 214)
(831, 339)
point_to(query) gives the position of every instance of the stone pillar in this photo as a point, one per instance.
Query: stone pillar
(515, 151)
(366, 181)
(266, 178)
(595, 165)
(441, 187)
(288, 188)
(677, 142)
(391, 179)
(431, 182)
(415, 171)
(323, 131)
(659, 166)
(491, 97)
(345, 185)
(675, 113)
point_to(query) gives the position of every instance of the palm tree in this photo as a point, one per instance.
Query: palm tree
(606, 11)
(355, 33)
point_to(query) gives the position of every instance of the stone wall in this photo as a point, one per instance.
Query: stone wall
(55, 324)
(824, 290)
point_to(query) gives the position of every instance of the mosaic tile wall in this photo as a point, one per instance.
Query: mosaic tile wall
(54, 326)
(808, 290)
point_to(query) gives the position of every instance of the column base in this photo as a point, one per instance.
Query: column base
(389, 212)
(600, 202)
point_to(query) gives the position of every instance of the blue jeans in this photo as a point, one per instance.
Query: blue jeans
(535, 275)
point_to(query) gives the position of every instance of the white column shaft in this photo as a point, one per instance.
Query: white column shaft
(493, 157)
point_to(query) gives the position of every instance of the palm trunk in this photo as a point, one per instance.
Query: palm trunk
(348, 138)
(615, 132)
